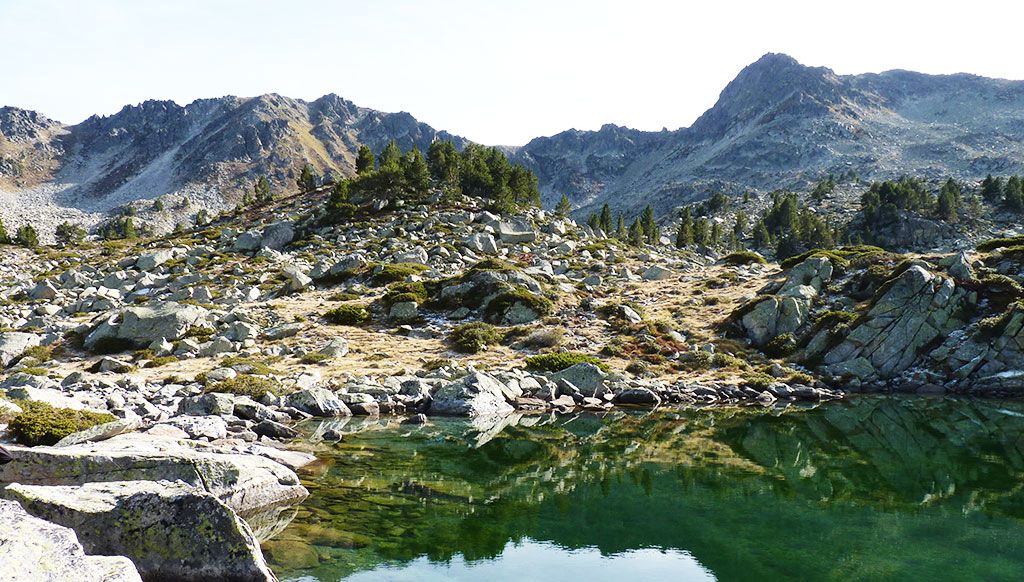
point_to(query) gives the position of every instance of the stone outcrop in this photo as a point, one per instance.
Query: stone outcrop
(787, 309)
(243, 482)
(477, 394)
(141, 326)
(917, 308)
(35, 550)
(169, 530)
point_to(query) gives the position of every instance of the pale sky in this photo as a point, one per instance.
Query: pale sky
(497, 72)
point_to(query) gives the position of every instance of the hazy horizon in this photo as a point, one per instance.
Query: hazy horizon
(490, 73)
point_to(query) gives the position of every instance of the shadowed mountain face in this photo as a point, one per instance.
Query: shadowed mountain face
(779, 124)
(160, 147)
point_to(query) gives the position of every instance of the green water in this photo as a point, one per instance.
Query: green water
(870, 489)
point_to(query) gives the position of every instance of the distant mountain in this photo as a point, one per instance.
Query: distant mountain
(779, 124)
(221, 144)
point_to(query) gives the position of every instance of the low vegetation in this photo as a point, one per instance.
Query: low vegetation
(39, 423)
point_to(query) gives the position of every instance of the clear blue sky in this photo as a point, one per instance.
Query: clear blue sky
(498, 72)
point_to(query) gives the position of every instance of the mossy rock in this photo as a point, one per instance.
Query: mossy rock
(743, 258)
(393, 273)
(515, 307)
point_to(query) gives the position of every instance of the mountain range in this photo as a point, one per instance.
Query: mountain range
(778, 124)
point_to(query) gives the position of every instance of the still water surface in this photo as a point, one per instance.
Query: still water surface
(870, 489)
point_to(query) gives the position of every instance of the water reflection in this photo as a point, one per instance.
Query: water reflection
(868, 489)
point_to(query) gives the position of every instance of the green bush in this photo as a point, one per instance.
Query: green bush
(396, 272)
(758, 380)
(696, 360)
(498, 306)
(39, 353)
(345, 296)
(347, 315)
(471, 338)
(314, 358)
(840, 257)
(401, 292)
(494, 265)
(560, 361)
(780, 346)
(246, 385)
(743, 258)
(996, 243)
(42, 424)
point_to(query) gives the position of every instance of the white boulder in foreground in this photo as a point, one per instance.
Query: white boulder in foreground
(32, 550)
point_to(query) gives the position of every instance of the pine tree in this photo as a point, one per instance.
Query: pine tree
(647, 223)
(684, 236)
(606, 219)
(68, 234)
(307, 178)
(594, 221)
(443, 159)
(564, 206)
(741, 225)
(620, 228)
(27, 236)
(1013, 194)
(391, 157)
(5, 239)
(701, 234)
(636, 233)
(417, 174)
(364, 160)
(261, 189)
(992, 188)
(762, 239)
(202, 217)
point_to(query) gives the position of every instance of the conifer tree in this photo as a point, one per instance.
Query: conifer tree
(417, 174)
(606, 219)
(650, 227)
(261, 189)
(443, 159)
(4, 237)
(27, 236)
(636, 233)
(307, 178)
(564, 206)
(620, 228)
(364, 160)
(684, 236)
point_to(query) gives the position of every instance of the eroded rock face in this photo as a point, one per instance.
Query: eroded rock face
(32, 549)
(909, 315)
(787, 310)
(170, 530)
(318, 402)
(141, 326)
(243, 482)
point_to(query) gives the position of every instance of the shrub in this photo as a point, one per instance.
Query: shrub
(696, 360)
(499, 306)
(471, 338)
(758, 380)
(42, 424)
(347, 315)
(996, 243)
(39, 353)
(544, 338)
(393, 273)
(314, 358)
(743, 258)
(494, 265)
(250, 366)
(254, 387)
(401, 292)
(345, 296)
(560, 361)
(780, 346)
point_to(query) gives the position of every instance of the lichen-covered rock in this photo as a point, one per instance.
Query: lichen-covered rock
(140, 326)
(787, 309)
(33, 549)
(588, 378)
(476, 394)
(243, 482)
(915, 309)
(170, 530)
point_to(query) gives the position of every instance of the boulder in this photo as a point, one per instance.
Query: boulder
(417, 255)
(14, 343)
(277, 235)
(33, 549)
(140, 326)
(169, 530)
(587, 377)
(336, 348)
(658, 273)
(639, 396)
(211, 427)
(153, 260)
(318, 402)
(101, 432)
(482, 242)
(476, 394)
(403, 311)
(244, 482)
(212, 403)
(515, 231)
